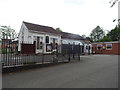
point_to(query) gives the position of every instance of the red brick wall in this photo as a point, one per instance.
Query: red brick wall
(115, 49)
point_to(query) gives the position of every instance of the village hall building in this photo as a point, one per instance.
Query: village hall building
(44, 36)
(112, 47)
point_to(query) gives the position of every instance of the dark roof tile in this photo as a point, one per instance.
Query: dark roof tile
(36, 27)
(71, 36)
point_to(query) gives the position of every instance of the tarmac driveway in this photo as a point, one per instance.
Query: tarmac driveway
(94, 71)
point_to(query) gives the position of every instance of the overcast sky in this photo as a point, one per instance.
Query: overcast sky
(74, 16)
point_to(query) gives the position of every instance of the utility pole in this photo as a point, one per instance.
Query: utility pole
(119, 13)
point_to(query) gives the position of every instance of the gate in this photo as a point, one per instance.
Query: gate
(28, 48)
(10, 57)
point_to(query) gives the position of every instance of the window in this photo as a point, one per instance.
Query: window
(51, 40)
(41, 45)
(108, 46)
(88, 47)
(41, 38)
(39, 42)
(35, 38)
(29, 37)
(99, 46)
(47, 39)
(56, 40)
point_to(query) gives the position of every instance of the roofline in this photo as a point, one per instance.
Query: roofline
(71, 38)
(106, 42)
(37, 24)
(70, 33)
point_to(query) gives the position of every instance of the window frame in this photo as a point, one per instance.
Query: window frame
(29, 37)
(41, 45)
(101, 46)
(47, 39)
(108, 48)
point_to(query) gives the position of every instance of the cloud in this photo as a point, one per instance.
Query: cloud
(76, 2)
(75, 16)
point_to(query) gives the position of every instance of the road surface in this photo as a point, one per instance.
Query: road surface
(94, 71)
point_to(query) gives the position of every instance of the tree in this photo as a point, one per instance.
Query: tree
(113, 2)
(88, 38)
(97, 34)
(58, 29)
(114, 33)
(7, 33)
(84, 36)
(105, 39)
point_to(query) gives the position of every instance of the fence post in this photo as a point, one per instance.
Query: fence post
(6, 54)
(34, 43)
(42, 54)
(56, 50)
(79, 51)
(42, 58)
(69, 52)
(73, 50)
(89, 50)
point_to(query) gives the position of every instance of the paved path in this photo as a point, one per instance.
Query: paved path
(95, 71)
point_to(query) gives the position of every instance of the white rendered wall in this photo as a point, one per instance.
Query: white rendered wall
(86, 50)
(43, 35)
(23, 32)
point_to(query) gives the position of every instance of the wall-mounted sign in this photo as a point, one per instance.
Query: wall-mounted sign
(48, 47)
